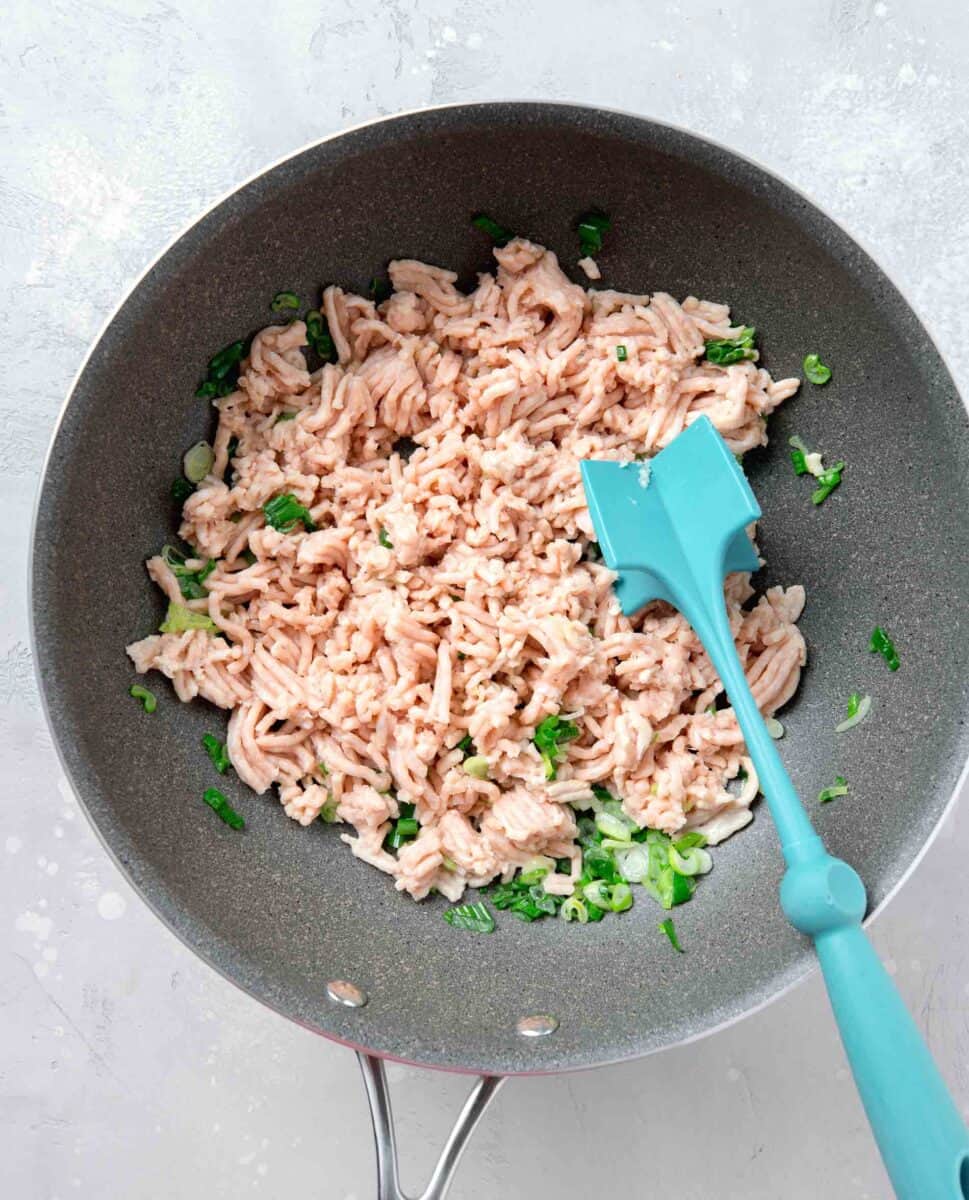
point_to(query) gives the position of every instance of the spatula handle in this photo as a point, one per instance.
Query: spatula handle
(921, 1136)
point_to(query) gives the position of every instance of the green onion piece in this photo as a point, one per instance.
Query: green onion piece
(827, 481)
(178, 619)
(285, 511)
(380, 289)
(815, 370)
(668, 928)
(285, 416)
(591, 228)
(318, 336)
(217, 751)
(466, 746)
(621, 898)
(476, 766)
(222, 363)
(689, 840)
(283, 301)
(830, 793)
(181, 490)
(799, 453)
(622, 353)
(574, 910)
(198, 462)
(524, 900)
(549, 736)
(601, 792)
(328, 813)
(475, 917)
(854, 701)
(882, 644)
(384, 540)
(615, 825)
(598, 892)
(633, 862)
(536, 869)
(858, 708)
(404, 829)
(216, 801)
(691, 862)
(724, 351)
(498, 233)
(147, 698)
(207, 389)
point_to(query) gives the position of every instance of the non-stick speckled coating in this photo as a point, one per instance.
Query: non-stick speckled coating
(282, 910)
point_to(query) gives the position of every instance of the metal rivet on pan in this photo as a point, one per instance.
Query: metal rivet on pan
(342, 992)
(537, 1025)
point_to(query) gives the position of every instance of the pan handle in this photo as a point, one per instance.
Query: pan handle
(381, 1113)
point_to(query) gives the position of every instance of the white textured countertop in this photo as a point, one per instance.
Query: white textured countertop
(127, 1068)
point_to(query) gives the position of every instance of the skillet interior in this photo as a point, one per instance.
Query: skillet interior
(281, 910)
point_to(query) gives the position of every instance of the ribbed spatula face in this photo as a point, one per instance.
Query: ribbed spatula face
(691, 507)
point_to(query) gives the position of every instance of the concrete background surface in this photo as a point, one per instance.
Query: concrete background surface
(127, 1068)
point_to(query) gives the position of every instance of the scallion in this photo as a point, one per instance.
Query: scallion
(622, 353)
(147, 698)
(181, 490)
(574, 910)
(498, 234)
(882, 644)
(318, 336)
(476, 918)
(476, 766)
(384, 540)
(591, 228)
(669, 929)
(404, 829)
(284, 512)
(828, 480)
(724, 351)
(284, 301)
(216, 801)
(858, 708)
(840, 788)
(217, 751)
(815, 370)
(550, 734)
(178, 619)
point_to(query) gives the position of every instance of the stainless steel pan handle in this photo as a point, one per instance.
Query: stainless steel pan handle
(381, 1112)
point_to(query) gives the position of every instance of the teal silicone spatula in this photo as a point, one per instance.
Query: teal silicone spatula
(673, 536)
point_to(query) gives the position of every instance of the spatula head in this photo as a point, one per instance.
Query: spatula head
(668, 529)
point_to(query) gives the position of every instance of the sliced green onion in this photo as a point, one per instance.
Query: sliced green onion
(147, 698)
(840, 788)
(724, 351)
(476, 918)
(217, 751)
(404, 829)
(601, 792)
(598, 893)
(799, 453)
(284, 301)
(882, 644)
(476, 766)
(828, 480)
(774, 727)
(328, 811)
(285, 511)
(285, 416)
(815, 370)
(498, 233)
(622, 353)
(591, 228)
(550, 734)
(198, 461)
(613, 826)
(318, 336)
(689, 840)
(633, 862)
(216, 801)
(181, 490)
(668, 928)
(466, 746)
(384, 540)
(535, 870)
(207, 389)
(858, 708)
(178, 619)
(692, 862)
(222, 363)
(380, 289)
(620, 898)
(574, 910)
